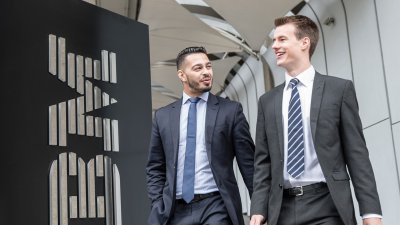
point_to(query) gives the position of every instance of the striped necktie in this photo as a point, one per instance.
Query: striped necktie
(295, 158)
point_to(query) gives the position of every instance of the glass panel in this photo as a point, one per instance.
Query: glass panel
(107, 134)
(62, 121)
(71, 70)
(53, 134)
(63, 188)
(82, 188)
(108, 190)
(73, 207)
(89, 107)
(52, 54)
(88, 67)
(91, 189)
(106, 99)
(115, 135)
(97, 97)
(98, 126)
(72, 164)
(97, 72)
(72, 116)
(53, 189)
(89, 96)
(80, 81)
(61, 59)
(100, 206)
(117, 196)
(81, 117)
(113, 68)
(104, 62)
(99, 165)
(89, 126)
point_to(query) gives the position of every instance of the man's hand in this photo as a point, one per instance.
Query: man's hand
(368, 221)
(257, 220)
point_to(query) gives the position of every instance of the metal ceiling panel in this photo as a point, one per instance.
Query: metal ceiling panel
(117, 6)
(252, 19)
(159, 100)
(165, 45)
(173, 28)
(221, 69)
(168, 78)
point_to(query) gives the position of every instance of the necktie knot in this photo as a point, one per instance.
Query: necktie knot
(294, 82)
(194, 100)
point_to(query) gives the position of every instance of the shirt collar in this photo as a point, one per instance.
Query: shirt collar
(203, 96)
(306, 77)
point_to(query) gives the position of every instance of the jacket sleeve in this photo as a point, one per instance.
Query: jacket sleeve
(262, 168)
(156, 168)
(244, 148)
(356, 154)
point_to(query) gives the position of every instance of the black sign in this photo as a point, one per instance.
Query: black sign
(76, 114)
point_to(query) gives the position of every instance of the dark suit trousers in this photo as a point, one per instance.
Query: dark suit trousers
(315, 207)
(208, 211)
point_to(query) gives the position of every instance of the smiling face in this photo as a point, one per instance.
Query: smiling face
(291, 53)
(196, 74)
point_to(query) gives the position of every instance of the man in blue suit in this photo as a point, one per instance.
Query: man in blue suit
(190, 178)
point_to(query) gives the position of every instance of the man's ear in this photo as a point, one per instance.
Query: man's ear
(181, 75)
(305, 43)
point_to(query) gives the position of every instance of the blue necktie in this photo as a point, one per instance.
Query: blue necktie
(295, 159)
(190, 154)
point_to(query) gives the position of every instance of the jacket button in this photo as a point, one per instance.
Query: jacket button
(280, 186)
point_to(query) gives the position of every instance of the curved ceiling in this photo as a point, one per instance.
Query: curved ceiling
(221, 26)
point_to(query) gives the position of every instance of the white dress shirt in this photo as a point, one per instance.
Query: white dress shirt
(312, 169)
(204, 180)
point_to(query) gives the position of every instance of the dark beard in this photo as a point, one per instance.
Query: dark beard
(196, 87)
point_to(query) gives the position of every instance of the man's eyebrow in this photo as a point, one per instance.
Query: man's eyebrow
(198, 64)
(280, 36)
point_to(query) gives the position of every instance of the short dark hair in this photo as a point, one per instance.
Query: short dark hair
(305, 27)
(187, 51)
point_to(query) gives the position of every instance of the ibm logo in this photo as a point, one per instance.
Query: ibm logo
(70, 117)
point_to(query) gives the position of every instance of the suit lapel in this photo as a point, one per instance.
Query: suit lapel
(278, 116)
(175, 126)
(211, 116)
(316, 98)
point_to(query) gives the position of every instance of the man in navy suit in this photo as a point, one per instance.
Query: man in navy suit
(190, 178)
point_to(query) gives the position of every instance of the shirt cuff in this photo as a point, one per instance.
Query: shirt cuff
(371, 215)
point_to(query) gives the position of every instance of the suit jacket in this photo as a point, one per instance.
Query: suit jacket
(339, 144)
(227, 136)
